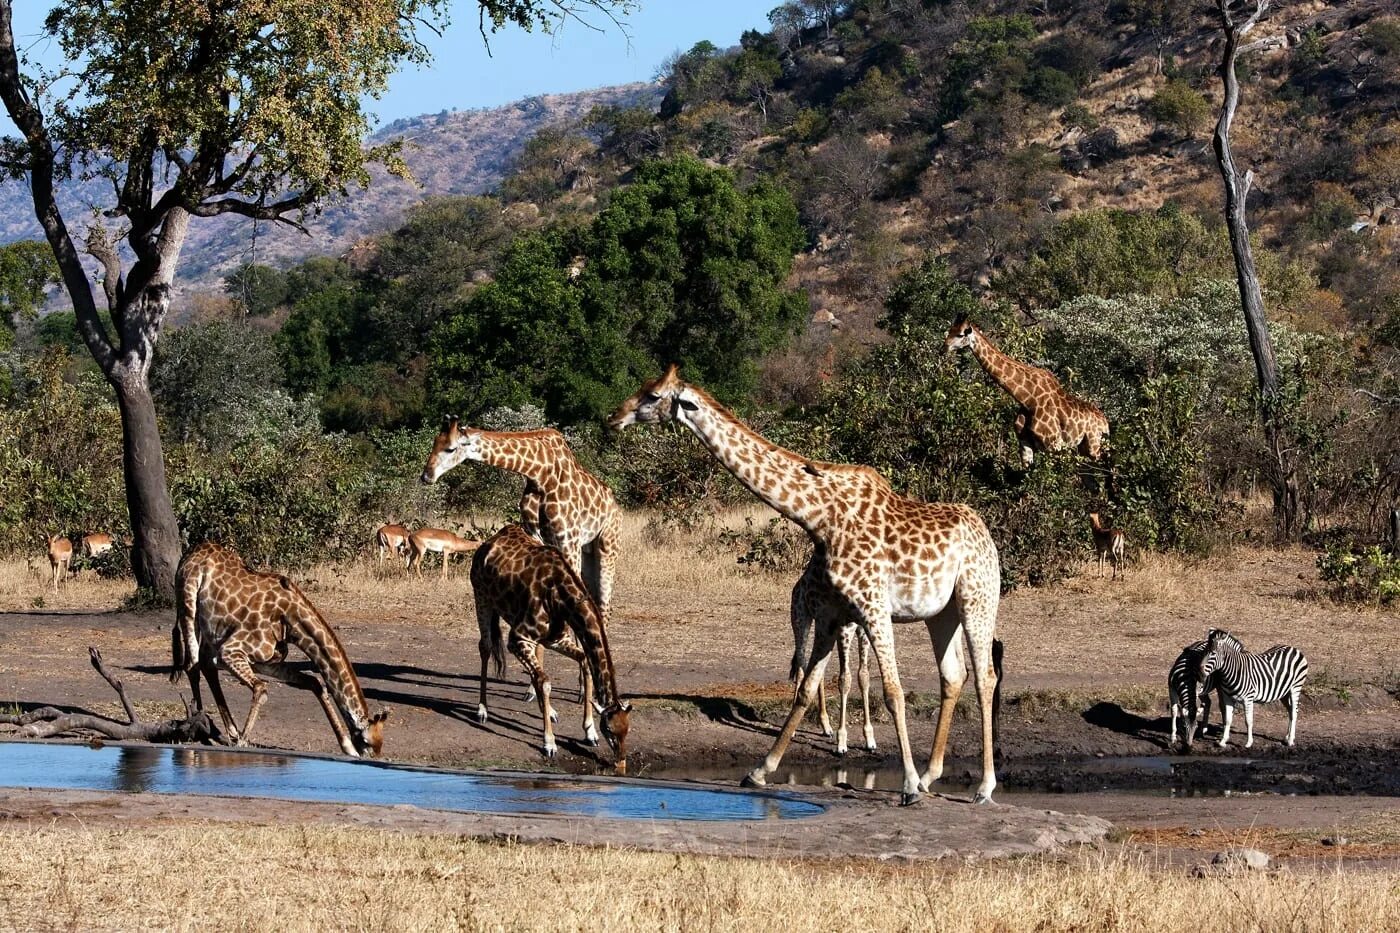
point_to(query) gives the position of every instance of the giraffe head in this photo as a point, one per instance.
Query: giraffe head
(368, 739)
(961, 334)
(615, 726)
(453, 444)
(657, 400)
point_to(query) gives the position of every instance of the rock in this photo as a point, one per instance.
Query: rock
(1334, 840)
(1241, 857)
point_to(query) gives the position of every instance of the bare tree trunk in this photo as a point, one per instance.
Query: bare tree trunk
(1281, 468)
(155, 532)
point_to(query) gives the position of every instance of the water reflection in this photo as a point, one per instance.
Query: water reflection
(258, 774)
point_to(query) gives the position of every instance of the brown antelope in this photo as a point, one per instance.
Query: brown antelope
(60, 556)
(436, 540)
(1108, 543)
(392, 539)
(92, 545)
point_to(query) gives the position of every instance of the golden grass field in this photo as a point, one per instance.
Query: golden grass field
(300, 878)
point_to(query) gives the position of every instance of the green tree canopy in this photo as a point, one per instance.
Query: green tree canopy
(27, 269)
(682, 266)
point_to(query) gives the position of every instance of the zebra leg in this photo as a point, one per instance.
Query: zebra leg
(1228, 712)
(1176, 708)
(1291, 701)
(1249, 723)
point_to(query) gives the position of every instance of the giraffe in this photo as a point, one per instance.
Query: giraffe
(435, 540)
(1050, 418)
(230, 616)
(1108, 543)
(60, 556)
(392, 539)
(536, 593)
(883, 558)
(804, 603)
(563, 504)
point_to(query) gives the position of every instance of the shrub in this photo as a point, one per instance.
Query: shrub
(1079, 116)
(1360, 574)
(776, 547)
(1179, 106)
(1050, 87)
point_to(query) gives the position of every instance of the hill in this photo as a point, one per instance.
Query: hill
(448, 153)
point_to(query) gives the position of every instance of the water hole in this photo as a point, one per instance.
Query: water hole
(238, 773)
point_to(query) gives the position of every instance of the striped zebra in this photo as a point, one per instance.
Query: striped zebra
(1186, 694)
(1246, 678)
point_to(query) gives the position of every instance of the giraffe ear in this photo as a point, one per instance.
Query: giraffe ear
(380, 716)
(672, 372)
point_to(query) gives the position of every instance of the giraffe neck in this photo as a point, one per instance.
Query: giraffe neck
(593, 637)
(1002, 368)
(313, 635)
(532, 454)
(782, 479)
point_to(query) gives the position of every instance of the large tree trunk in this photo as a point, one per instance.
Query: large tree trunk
(156, 535)
(1281, 468)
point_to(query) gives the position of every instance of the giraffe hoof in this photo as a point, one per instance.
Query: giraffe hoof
(553, 715)
(550, 751)
(981, 798)
(481, 715)
(752, 780)
(908, 799)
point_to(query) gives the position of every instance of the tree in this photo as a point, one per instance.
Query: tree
(261, 289)
(788, 21)
(253, 109)
(1237, 19)
(682, 266)
(27, 270)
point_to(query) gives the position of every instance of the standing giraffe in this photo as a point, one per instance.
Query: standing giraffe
(229, 616)
(884, 558)
(542, 601)
(563, 504)
(60, 556)
(1050, 418)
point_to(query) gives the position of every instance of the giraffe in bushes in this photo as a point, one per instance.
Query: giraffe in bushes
(882, 557)
(1050, 418)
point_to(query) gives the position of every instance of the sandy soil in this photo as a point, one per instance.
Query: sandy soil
(1085, 699)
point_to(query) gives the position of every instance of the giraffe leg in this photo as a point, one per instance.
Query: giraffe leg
(284, 673)
(489, 625)
(800, 617)
(211, 674)
(944, 631)
(570, 648)
(881, 634)
(977, 595)
(238, 665)
(816, 668)
(843, 658)
(863, 675)
(526, 652)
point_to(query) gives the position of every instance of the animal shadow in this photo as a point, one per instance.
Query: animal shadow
(1115, 718)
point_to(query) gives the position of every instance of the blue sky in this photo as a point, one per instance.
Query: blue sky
(520, 64)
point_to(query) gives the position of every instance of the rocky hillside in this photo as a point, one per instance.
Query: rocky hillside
(452, 152)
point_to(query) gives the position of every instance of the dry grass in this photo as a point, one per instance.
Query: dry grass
(27, 585)
(239, 877)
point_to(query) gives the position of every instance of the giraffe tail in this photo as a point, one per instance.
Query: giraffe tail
(184, 637)
(998, 649)
(177, 654)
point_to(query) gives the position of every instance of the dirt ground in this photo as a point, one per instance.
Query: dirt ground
(702, 651)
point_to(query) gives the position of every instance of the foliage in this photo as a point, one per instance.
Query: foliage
(1360, 574)
(682, 266)
(27, 269)
(1115, 252)
(260, 289)
(775, 547)
(220, 383)
(1179, 106)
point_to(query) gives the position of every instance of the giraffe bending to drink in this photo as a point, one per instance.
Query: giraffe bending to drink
(231, 617)
(531, 589)
(1050, 418)
(884, 558)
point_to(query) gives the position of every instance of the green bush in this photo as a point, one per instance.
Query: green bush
(1360, 574)
(1179, 106)
(1050, 87)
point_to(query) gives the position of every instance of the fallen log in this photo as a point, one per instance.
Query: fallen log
(42, 723)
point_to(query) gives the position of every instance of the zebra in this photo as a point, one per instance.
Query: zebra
(1245, 678)
(1185, 693)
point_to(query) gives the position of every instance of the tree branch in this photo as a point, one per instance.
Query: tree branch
(30, 121)
(99, 246)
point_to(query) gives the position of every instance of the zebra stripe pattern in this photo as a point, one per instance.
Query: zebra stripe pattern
(1188, 700)
(1246, 679)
